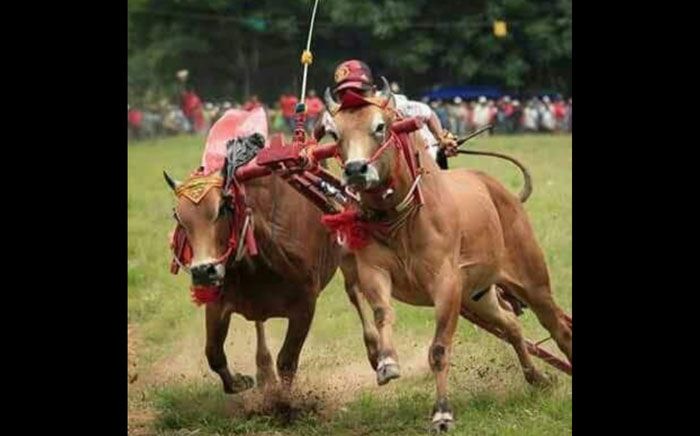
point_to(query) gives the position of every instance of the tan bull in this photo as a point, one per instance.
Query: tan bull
(470, 235)
(297, 258)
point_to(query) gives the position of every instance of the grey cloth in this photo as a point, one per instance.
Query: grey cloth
(240, 151)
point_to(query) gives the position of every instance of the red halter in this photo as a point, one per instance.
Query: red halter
(241, 233)
(351, 229)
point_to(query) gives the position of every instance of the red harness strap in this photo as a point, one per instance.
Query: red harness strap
(398, 137)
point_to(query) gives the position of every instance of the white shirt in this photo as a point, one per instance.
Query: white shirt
(405, 108)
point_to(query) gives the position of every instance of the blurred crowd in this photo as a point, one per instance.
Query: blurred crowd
(507, 115)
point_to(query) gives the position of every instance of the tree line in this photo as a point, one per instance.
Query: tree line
(237, 48)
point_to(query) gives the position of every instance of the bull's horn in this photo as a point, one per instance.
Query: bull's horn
(331, 104)
(386, 91)
(174, 184)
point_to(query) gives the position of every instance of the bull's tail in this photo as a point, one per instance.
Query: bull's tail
(527, 189)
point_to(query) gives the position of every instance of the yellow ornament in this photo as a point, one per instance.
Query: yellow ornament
(306, 57)
(500, 29)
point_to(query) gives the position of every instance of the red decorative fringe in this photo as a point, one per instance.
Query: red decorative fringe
(205, 294)
(347, 224)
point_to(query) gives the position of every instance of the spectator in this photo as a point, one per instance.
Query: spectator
(276, 119)
(516, 117)
(454, 110)
(546, 115)
(314, 108)
(211, 113)
(492, 111)
(482, 113)
(504, 116)
(152, 122)
(288, 103)
(135, 122)
(193, 110)
(462, 117)
(530, 117)
(252, 103)
(175, 121)
(559, 110)
(441, 112)
(191, 104)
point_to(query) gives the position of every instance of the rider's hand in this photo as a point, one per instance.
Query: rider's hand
(448, 142)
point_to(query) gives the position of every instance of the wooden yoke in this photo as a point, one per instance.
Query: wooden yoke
(297, 164)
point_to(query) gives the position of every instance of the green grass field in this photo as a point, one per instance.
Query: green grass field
(172, 391)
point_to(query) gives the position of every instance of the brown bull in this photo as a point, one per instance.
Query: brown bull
(297, 258)
(470, 236)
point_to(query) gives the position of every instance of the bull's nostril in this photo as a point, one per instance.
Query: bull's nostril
(356, 168)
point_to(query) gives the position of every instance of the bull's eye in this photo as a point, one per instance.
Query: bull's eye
(223, 208)
(379, 129)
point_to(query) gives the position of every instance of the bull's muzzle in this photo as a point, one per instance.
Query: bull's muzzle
(360, 174)
(207, 274)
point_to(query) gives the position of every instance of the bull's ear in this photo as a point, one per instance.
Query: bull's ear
(174, 184)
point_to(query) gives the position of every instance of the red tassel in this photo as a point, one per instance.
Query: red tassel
(348, 225)
(205, 294)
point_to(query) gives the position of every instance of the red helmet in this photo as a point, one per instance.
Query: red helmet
(353, 74)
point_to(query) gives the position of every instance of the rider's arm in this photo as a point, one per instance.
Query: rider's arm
(423, 111)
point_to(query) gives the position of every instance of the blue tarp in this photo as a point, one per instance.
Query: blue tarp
(465, 92)
(473, 92)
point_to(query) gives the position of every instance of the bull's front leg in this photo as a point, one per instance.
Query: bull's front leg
(370, 335)
(217, 320)
(297, 330)
(376, 285)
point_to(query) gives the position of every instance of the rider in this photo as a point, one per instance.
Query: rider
(356, 75)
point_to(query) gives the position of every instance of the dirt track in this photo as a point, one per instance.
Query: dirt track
(322, 386)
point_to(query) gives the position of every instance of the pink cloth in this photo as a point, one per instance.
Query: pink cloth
(234, 123)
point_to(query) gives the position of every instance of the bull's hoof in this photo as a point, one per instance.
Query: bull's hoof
(539, 380)
(442, 422)
(387, 370)
(265, 379)
(239, 383)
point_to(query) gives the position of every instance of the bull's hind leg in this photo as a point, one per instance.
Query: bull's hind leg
(551, 316)
(525, 272)
(488, 309)
(352, 288)
(288, 357)
(217, 320)
(263, 360)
